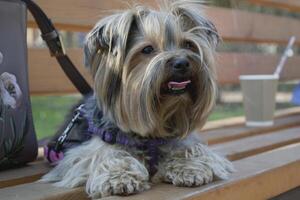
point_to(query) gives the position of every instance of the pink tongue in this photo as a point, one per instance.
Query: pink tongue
(173, 84)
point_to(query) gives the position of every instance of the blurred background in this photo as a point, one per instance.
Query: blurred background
(49, 109)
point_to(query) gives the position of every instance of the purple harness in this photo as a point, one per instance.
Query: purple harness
(119, 137)
(115, 136)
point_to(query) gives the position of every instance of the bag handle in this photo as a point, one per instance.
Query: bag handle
(52, 38)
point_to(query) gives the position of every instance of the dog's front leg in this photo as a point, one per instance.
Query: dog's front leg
(193, 166)
(118, 174)
(104, 169)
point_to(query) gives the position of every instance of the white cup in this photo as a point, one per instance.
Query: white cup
(259, 93)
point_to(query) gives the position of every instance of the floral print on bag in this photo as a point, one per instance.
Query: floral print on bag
(12, 119)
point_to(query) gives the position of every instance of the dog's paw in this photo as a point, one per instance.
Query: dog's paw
(189, 176)
(220, 166)
(195, 166)
(117, 184)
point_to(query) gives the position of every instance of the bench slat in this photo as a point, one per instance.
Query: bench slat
(292, 194)
(233, 25)
(265, 171)
(249, 146)
(29, 173)
(40, 191)
(234, 150)
(231, 65)
(225, 134)
(240, 120)
(35, 170)
(46, 76)
(259, 177)
(292, 5)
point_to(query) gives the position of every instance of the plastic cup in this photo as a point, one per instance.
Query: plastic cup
(259, 93)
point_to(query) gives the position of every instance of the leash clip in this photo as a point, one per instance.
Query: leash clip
(78, 115)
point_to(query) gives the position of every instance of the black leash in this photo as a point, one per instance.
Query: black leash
(51, 36)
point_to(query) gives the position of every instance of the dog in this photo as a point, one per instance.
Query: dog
(154, 84)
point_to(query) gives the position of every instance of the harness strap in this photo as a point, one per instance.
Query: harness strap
(150, 146)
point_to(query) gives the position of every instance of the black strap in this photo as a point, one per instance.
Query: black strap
(52, 38)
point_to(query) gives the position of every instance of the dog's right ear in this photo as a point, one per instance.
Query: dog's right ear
(108, 38)
(95, 42)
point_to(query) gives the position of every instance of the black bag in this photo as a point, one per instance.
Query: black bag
(18, 143)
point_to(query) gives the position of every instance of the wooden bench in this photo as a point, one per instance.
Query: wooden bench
(235, 26)
(291, 5)
(267, 159)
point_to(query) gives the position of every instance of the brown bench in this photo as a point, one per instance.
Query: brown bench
(233, 25)
(292, 5)
(267, 160)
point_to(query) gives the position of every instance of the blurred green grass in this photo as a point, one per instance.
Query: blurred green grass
(49, 112)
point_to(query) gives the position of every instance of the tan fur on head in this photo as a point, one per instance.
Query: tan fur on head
(154, 76)
(129, 84)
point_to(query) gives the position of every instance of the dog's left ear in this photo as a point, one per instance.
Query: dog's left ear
(192, 19)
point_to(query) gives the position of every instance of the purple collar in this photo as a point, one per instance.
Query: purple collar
(115, 136)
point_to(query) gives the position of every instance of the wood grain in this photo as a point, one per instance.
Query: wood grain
(46, 77)
(233, 25)
(231, 65)
(238, 131)
(26, 174)
(266, 140)
(236, 121)
(291, 5)
(249, 146)
(258, 177)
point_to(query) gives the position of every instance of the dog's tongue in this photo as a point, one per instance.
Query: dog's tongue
(178, 85)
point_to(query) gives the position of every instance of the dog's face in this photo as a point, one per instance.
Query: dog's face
(153, 70)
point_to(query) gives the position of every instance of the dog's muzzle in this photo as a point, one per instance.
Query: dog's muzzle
(180, 72)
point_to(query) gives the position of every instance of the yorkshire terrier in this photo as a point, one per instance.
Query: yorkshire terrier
(154, 84)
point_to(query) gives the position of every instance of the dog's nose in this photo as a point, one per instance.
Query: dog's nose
(180, 65)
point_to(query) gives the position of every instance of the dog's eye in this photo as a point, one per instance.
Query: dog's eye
(147, 50)
(190, 45)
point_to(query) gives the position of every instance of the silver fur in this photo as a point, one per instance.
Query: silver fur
(129, 91)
